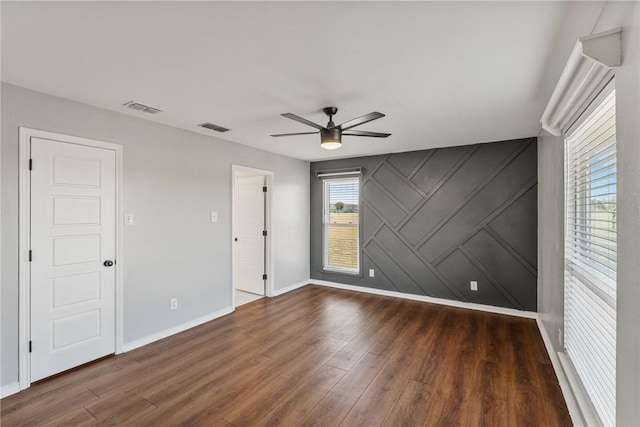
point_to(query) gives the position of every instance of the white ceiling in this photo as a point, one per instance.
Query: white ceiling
(444, 73)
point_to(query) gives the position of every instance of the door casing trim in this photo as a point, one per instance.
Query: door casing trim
(24, 215)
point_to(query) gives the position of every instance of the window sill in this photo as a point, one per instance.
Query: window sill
(342, 273)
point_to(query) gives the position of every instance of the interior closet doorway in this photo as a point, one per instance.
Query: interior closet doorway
(251, 234)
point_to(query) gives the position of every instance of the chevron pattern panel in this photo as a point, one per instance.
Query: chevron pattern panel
(434, 220)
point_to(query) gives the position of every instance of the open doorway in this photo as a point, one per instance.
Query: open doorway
(252, 272)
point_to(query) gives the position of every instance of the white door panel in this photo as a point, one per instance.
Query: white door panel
(249, 225)
(75, 289)
(75, 250)
(76, 171)
(73, 210)
(72, 234)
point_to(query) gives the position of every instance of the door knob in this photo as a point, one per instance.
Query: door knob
(236, 239)
(108, 263)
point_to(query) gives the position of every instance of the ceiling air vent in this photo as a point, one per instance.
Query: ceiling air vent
(142, 107)
(213, 127)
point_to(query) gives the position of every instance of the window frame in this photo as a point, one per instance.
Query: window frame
(326, 180)
(589, 292)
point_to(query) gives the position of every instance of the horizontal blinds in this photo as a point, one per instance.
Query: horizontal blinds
(341, 221)
(343, 197)
(591, 252)
(590, 343)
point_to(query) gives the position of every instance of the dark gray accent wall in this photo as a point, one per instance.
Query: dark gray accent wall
(434, 220)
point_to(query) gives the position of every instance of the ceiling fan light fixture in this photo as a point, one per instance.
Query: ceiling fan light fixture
(331, 145)
(331, 139)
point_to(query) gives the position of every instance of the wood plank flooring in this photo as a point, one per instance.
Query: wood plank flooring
(315, 357)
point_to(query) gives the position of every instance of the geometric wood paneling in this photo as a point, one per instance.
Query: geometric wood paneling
(433, 220)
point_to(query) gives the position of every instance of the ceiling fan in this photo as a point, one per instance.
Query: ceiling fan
(331, 135)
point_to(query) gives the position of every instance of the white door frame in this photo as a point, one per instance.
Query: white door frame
(24, 209)
(269, 176)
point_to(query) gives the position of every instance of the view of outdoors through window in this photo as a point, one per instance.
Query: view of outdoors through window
(592, 202)
(341, 222)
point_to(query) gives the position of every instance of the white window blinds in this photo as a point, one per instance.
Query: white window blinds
(341, 220)
(591, 252)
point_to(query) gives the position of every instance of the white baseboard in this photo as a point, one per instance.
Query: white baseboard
(9, 389)
(589, 415)
(423, 298)
(176, 329)
(565, 386)
(290, 288)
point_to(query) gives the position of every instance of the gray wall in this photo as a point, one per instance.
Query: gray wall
(627, 16)
(551, 235)
(434, 220)
(172, 180)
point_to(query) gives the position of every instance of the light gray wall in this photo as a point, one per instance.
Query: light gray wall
(434, 220)
(551, 235)
(625, 15)
(172, 180)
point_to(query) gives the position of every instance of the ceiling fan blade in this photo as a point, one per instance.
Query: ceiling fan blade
(302, 120)
(360, 120)
(297, 133)
(365, 133)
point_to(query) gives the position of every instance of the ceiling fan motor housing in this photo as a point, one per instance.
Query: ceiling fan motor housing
(333, 134)
(331, 138)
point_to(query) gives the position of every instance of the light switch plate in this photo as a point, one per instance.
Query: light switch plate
(214, 216)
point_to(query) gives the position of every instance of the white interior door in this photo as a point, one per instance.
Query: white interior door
(249, 241)
(73, 236)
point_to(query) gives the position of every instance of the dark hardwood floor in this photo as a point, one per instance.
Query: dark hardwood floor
(315, 356)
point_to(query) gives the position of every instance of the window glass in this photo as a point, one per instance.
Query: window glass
(341, 221)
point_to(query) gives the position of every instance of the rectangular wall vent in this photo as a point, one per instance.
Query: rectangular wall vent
(213, 127)
(142, 107)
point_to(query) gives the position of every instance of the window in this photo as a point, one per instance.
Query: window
(341, 222)
(591, 252)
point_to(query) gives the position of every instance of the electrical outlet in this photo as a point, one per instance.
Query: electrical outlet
(174, 303)
(474, 285)
(128, 219)
(372, 272)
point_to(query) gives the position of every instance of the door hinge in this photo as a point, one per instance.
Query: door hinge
(264, 277)
(264, 189)
(30, 255)
(30, 164)
(30, 347)
(264, 232)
